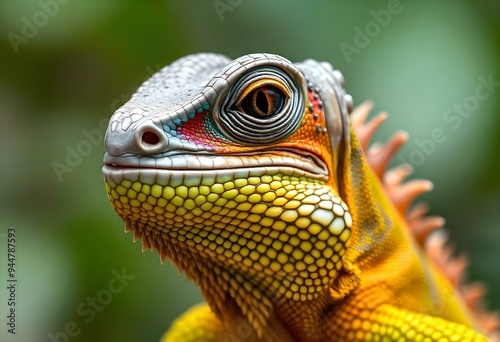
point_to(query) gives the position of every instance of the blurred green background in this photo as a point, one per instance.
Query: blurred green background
(67, 65)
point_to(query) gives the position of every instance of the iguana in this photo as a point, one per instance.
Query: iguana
(254, 178)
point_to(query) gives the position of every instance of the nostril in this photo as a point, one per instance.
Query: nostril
(150, 138)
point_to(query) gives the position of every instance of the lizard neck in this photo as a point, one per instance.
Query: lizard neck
(243, 302)
(374, 218)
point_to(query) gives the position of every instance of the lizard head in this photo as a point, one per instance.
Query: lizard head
(233, 171)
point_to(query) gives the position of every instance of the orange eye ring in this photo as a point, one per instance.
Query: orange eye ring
(263, 98)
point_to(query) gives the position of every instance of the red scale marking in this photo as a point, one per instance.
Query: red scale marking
(314, 101)
(195, 130)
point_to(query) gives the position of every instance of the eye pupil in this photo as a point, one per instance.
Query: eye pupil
(263, 102)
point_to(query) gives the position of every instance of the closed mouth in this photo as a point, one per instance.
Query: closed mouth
(189, 166)
(303, 162)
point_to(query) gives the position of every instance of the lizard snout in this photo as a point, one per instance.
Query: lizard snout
(146, 139)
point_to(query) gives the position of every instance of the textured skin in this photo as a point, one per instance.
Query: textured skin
(276, 216)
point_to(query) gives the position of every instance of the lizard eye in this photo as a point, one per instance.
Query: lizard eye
(263, 106)
(263, 99)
